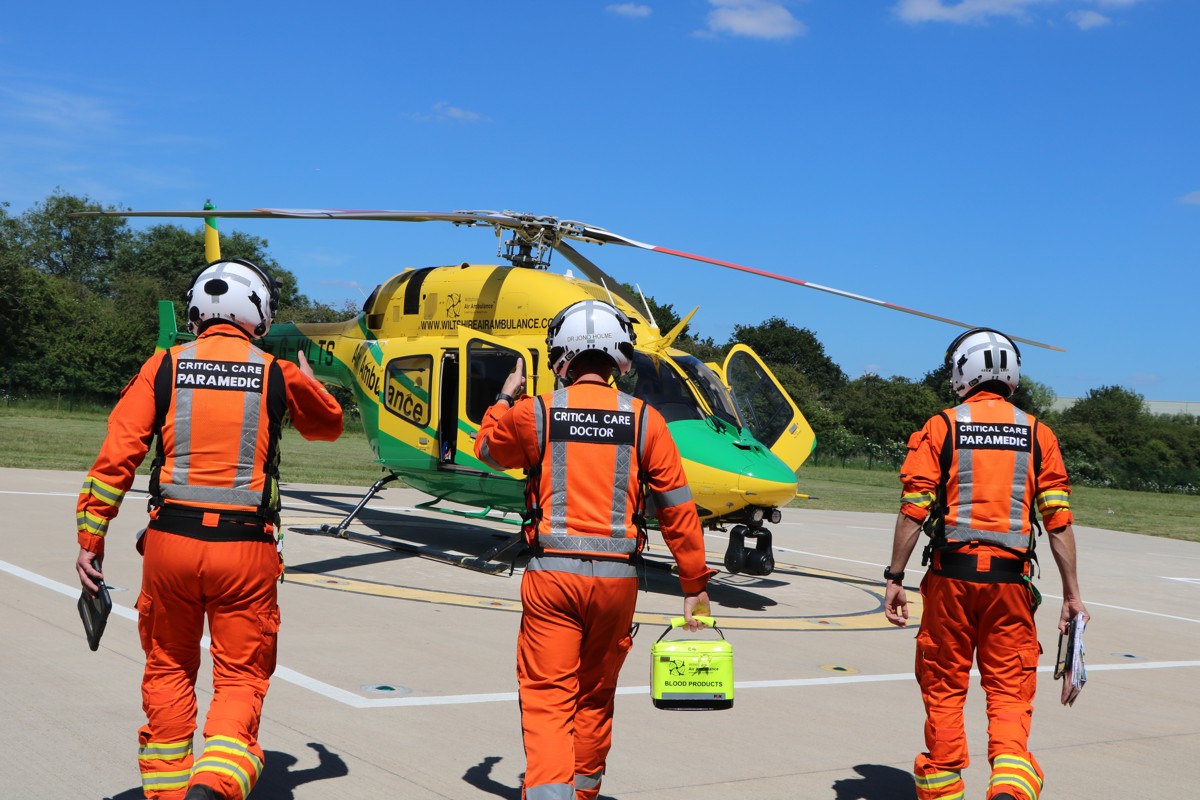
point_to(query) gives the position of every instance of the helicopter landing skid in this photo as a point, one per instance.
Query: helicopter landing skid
(488, 562)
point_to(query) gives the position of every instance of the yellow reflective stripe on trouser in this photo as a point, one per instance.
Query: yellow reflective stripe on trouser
(934, 784)
(212, 760)
(162, 780)
(1016, 771)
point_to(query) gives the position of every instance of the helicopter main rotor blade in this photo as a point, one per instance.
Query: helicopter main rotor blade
(538, 229)
(602, 236)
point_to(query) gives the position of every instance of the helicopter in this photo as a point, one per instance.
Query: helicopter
(432, 346)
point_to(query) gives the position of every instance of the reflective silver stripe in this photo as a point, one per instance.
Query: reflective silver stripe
(252, 403)
(102, 491)
(550, 791)
(585, 782)
(588, 567)
(965, 533)
(601, 545)
(182, 452)
(674, 497)
(165, 751)
(621, 470)
(641, 434)
(485, 455)
(211, 494)
(1019, 508)
(558, 475)
(960, 529)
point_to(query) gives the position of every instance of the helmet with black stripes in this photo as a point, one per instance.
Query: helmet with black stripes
(233, 290)
(981, 356)
(590, 325)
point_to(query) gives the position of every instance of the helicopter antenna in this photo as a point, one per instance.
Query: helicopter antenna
(611, 302)
(649, 313)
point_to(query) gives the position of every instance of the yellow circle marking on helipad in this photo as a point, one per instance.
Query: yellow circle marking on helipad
(858, 621)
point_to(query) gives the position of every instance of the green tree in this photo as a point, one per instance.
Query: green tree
(777, 341)
(886, 410)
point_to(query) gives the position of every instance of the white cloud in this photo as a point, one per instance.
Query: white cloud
(1086, 20)
(1191, 198)
(628, 10)
(754, 19)
(444, 112)
(963, 11)
(1085, 16)
(48, 108)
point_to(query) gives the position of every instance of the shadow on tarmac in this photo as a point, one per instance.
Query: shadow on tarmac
(278, 781)
(480, 776)
(877, 783)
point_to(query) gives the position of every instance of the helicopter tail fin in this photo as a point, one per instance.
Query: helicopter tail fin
(169, 334)
(212, 239)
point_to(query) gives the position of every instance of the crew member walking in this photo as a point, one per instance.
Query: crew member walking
(972, 478)
(216, 405)
(592, 454)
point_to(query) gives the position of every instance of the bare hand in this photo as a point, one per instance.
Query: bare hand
(87, 564)
(514, 384)
(695, 605)
(1070, 608)
(895, 605)
(302, 362)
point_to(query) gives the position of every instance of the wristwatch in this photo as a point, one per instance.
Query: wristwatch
(888, 575)
(502, 396)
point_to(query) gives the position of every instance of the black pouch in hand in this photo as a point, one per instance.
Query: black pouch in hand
(94, 612)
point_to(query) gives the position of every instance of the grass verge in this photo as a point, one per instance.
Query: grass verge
(57, 439)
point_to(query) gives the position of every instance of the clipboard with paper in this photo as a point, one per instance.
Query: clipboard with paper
(1069, 666)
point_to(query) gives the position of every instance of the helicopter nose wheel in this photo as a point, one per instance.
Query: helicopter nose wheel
(758, 561)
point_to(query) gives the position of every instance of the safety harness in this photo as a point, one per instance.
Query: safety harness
(532, 517)
(950, 560)
(212, 524)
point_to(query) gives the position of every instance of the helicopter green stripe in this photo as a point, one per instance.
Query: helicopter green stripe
(699, 442)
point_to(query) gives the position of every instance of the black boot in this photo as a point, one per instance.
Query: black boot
(1001, 796)
(201, 792)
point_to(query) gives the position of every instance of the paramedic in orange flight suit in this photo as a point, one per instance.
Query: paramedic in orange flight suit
(993, 462)
(216, 405)
(585, 447)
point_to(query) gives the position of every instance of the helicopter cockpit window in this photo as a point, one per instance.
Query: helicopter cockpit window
(406, 393)
(660, 386)
(715, 393)
(487, 367)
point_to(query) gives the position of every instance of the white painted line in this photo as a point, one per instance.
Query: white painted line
(357, 701)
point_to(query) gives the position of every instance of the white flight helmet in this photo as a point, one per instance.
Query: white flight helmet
(983, 355)
(234, 290)
(590, 325)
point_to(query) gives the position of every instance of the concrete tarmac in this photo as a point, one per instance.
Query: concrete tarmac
(396, 674)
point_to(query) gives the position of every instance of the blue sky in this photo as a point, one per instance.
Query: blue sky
(1029, 165)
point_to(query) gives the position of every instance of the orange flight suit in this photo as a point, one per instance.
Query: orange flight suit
(589, 447)
(216, 405)
(977, 599)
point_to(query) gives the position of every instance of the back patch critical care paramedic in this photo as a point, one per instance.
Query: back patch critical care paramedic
(992, 436)
(599, 426)
(235, 375)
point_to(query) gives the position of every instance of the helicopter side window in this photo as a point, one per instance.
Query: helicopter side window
(406, 393)
(487, 367)
(707, 382)
(659, 385)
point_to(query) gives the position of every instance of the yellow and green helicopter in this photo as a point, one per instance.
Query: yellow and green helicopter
(432, 346)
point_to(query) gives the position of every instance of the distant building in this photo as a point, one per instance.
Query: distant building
(1163, 407)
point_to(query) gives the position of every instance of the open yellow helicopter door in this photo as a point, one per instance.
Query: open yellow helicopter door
(483, 364)
(766, 408)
